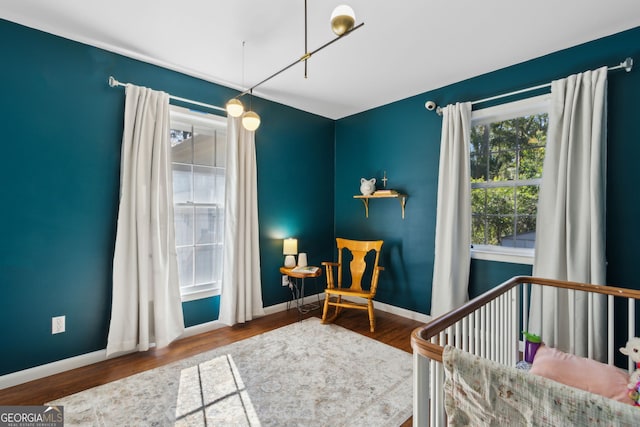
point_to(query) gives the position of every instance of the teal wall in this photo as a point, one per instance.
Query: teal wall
(403, 138)
(62, 128)
(485, 275)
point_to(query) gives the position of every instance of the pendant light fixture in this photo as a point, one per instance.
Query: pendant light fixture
(342, 19)
(234, 107)
(342, 24)
(250, 119)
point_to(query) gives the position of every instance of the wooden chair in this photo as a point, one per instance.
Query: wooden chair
(358, 266)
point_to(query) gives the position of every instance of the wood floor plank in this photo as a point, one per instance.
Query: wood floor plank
(390, 329)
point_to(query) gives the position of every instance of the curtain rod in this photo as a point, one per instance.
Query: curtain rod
(115, 83)
(627, 65)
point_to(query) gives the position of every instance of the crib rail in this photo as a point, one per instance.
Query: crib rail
(489, 326)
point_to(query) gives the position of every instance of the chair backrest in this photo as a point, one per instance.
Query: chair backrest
(358, 265)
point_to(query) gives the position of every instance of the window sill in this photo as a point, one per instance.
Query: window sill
(500, 254)
(200, 295)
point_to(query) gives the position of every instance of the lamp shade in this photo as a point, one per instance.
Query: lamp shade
(234, 107)
(250, 120)
(343, 19)
(290, 247)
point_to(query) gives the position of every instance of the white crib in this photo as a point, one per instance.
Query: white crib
(490, 327)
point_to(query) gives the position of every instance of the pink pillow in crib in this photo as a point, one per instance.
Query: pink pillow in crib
(579, 372)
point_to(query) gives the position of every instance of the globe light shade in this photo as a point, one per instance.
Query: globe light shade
(234, 107)
(250, 121)
(342, 19)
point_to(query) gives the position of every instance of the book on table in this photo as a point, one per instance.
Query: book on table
(306, 269)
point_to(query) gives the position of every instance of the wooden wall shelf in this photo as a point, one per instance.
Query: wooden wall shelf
(365, 199)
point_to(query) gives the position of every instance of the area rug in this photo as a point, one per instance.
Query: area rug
(303, 374)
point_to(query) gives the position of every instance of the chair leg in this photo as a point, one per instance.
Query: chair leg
(325, 309)
(372, 318)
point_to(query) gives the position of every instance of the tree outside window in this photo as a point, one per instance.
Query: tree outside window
(506, 170)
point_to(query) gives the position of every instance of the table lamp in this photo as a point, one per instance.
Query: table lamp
(290, 249)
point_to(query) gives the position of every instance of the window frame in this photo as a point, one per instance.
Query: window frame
(197, 119)
(532, 105)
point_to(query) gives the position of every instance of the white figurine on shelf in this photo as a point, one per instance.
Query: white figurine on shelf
(367, 186)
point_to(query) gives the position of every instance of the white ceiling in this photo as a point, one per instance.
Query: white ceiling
(406, 47)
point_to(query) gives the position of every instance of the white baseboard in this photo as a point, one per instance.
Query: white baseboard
(275, 308)
(202, 328)
(413, 315)
(37, 372)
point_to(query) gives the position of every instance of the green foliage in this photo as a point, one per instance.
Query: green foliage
(506, 165)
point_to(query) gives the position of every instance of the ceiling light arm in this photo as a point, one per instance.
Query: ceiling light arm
(335, 40)
(302, 58)
(342, 23)
(306, 49)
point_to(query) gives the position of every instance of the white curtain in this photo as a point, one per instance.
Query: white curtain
(570, 236)
(453, 217)
(241, 298)
(146, 306)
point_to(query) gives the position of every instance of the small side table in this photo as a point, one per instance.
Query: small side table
(297, 288)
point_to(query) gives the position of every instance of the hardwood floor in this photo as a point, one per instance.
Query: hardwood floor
(390, 329)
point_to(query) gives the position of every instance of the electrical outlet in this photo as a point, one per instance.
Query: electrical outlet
(57, 324)
(285, 280)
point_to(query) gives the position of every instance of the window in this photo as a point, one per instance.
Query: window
(198, 149)
(507, 153)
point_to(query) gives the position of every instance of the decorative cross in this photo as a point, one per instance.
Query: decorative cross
(384, 180)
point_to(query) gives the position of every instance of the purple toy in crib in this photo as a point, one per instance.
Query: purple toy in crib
(532, 343)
